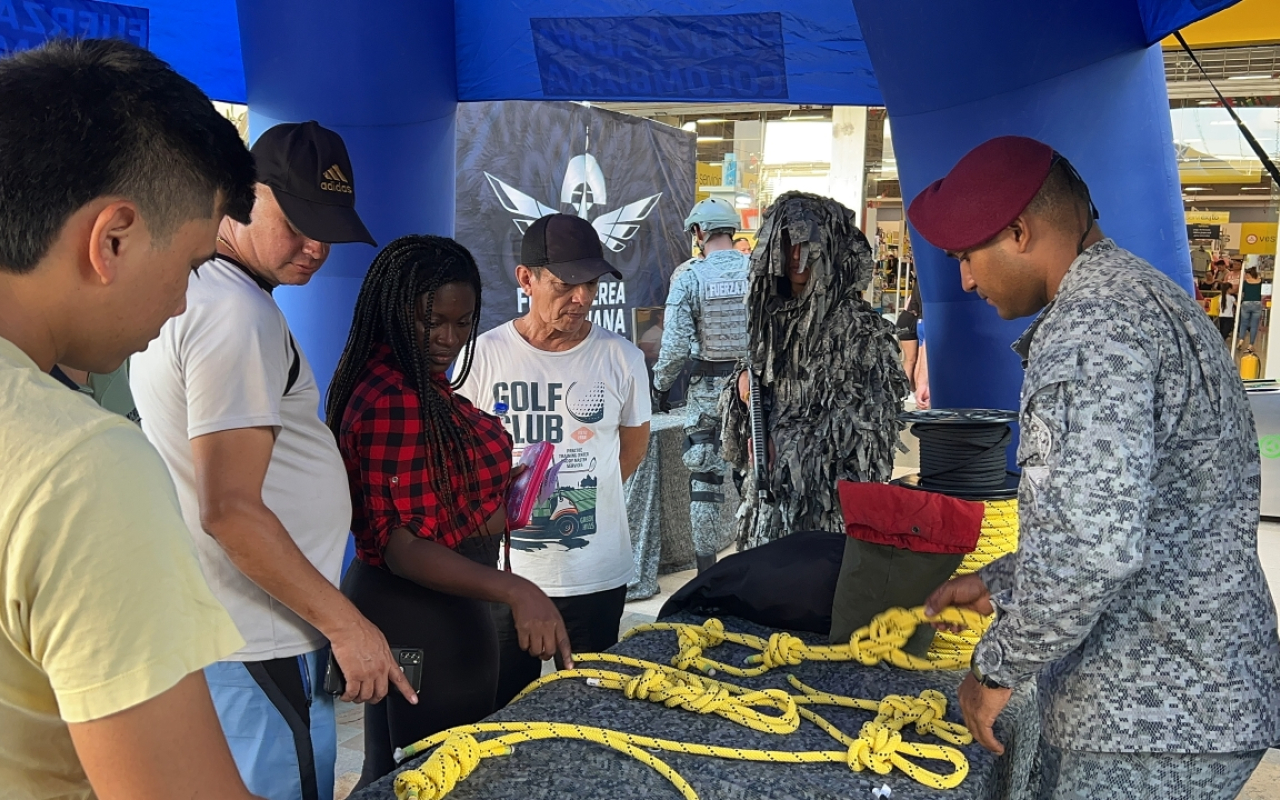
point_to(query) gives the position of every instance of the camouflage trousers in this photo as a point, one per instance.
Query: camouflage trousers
(707, 469)
(1080, 775)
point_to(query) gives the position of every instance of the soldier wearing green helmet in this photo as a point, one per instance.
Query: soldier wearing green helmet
(706, 322)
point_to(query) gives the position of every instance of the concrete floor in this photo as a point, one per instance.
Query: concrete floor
(1265, 784)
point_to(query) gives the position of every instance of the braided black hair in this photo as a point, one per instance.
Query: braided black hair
(386, 313)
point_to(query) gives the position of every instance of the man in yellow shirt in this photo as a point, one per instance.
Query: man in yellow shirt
(114, 174)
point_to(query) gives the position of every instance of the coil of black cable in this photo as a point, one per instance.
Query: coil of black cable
(963, 452)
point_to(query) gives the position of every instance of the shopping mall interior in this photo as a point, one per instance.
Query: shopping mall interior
(755, 153)
(751, 153)
(1223, 88)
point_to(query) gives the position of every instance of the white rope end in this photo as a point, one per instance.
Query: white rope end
(398, 755)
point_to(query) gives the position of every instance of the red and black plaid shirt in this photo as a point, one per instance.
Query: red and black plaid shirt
(389, 466)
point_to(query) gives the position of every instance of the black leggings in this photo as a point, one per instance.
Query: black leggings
(459, 673)
(591, 620)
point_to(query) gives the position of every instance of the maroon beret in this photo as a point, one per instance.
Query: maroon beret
(984, 192)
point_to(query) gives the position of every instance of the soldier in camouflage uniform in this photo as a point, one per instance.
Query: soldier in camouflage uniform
(706, 320)
(1136, 597)
(828, 367)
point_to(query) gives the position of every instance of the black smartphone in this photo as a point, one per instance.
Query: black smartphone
(409, 658)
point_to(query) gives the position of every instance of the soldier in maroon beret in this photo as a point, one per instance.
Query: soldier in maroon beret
(991, 210)
(1136, 596)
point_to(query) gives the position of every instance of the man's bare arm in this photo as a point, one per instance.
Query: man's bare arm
(633, 444)
(169, 748)
(230, 468)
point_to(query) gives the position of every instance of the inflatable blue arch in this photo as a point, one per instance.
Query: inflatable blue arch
(1084, 75)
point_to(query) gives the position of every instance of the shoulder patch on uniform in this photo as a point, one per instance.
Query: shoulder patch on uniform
(1039, 436)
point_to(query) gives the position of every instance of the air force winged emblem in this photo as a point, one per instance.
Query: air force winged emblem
(584, 188)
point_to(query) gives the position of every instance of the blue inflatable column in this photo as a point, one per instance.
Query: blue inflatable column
(1078, 76)
(382, 74)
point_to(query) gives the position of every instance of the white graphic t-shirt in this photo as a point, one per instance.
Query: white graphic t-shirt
(578, 541)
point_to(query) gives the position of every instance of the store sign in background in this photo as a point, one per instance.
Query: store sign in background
(1208, 217)
(708, 175)
(1257, 238)
(29, 23)
(1203, 232)
(632, 178)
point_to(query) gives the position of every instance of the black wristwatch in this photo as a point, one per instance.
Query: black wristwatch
(984, 679)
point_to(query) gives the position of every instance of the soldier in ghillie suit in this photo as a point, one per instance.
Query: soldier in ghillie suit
(828, 369)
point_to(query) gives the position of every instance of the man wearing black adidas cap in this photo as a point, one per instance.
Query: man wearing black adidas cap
(554, 376)
(231, 404)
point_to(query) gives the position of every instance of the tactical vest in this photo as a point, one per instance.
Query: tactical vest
(722, 289)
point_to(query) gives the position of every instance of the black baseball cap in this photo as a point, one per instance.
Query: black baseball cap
(568, 246)
(308, 170)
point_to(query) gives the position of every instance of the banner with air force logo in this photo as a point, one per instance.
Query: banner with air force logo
(632, 178)
(25, 24)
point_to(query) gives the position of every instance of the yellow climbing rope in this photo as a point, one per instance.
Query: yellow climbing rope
(693, 640)
(659, 683)
(927, 711)
(460, 754)
(998, 538)
(881, 640)
(878, 747)
(704, 696)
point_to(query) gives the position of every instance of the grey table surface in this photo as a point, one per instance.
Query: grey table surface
(563, 769)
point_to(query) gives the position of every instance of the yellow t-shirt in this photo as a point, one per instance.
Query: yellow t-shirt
(102, 603)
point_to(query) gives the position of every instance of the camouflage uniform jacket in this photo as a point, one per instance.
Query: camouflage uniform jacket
(680, 340)
(1136, 595)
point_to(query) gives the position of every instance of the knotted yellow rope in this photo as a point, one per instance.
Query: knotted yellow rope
(927, 711)
(998, 538)
(693, 640)
(704, 696)
(449, 765)
(878, 747)
(460, 754)
(880, 640)
(675, 689)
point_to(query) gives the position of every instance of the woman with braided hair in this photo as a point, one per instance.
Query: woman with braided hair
(828, 367)
(429, 474)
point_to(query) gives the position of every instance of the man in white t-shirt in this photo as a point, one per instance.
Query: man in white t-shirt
(553, 376)
(229, 400)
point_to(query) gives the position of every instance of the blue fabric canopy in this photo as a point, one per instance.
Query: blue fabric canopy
(802, 51)
(201, 39)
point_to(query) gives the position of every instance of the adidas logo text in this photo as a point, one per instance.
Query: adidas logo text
(336, 181)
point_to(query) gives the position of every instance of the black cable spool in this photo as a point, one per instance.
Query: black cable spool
(962, 453)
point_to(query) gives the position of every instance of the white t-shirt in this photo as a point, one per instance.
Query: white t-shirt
(579, 541)
(1228, 306)
(224, 365)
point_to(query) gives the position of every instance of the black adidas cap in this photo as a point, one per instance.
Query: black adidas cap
(308, 169)
(568, 246)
